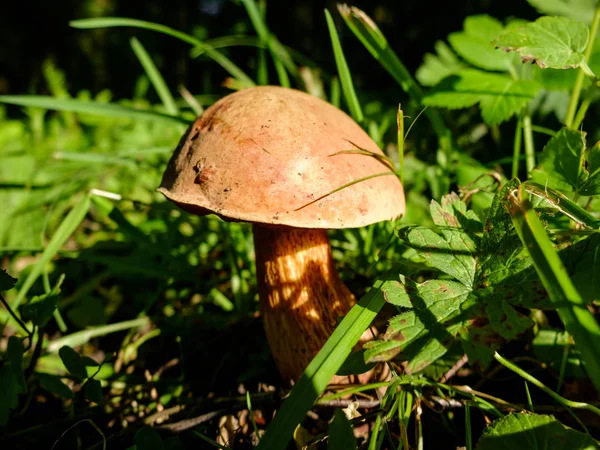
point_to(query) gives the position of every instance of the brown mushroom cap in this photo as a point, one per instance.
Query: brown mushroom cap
(268, 155)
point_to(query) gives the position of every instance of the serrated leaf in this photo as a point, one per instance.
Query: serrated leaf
(6, 281)
(499, 96)
(534, 432)
(561, 162)
(341, 435)
(474, 44)
(492, 273)
(438, 66)
(93, 391)
(55, 385)
(425, 333)
(73, 362)
(582, 10)
(550, 42)
(506, 320)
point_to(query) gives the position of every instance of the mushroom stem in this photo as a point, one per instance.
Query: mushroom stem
(301, 294)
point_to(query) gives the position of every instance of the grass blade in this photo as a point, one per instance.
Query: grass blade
(375, 42)
(563, 203)
(344, 71)
(218, 57)
(155, 77)
(577, 319)
(281, 58)
(64, 231)
(318, 373)
(88, 107)
(81, 337)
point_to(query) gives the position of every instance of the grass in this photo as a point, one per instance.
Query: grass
(160, 306)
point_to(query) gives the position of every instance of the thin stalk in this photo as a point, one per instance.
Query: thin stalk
(528, 138)
(468, 430)
(15, 317)
(560, 399)
(585, 104)
(569, 120)
(400, 122)
(375, 433)
(529, 402)
(517, 149)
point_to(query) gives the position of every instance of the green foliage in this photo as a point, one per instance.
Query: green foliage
(500, 261)
(341, 436)
(534, 431)
(566, 165)
(550, 42)
(492, 278)
(500, 97)
(12, 378)
(582, 10)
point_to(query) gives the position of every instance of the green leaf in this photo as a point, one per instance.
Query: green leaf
(582, 10)
(492, 276)
(64, 231)
(93, 391)
(549, 347)
(344, 71)
(558, 201)
(90, 107)
(9, 398)
(438, 66)
(12, 379)
(341, 436)
(499, 96)
(474, 44)
(73, 362)
(148, 439)
(6, 281)
(365, 29)
(281, 57)
(425, 333)
(550, 42)
(218, 57)
(155, 77)
(562, 161)
(534, 432)
(40, 308)
(355, 364)
(320, 370)
(592, 161)
(572, 310)
(54, 384)
(14, 354)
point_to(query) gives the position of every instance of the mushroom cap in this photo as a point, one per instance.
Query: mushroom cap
(270, 155)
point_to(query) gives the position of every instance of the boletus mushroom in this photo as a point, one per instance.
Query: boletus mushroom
(273, 156)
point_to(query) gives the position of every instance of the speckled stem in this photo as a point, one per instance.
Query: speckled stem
(301, 294)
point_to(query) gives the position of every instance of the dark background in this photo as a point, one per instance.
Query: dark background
(32, 31)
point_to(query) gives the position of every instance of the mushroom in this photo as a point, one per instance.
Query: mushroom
(273, 156)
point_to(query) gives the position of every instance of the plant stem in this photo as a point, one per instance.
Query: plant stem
(560, 399)
(585, 104)
(517, 149)
(569, 120)
(528, 138)
(14, 316)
